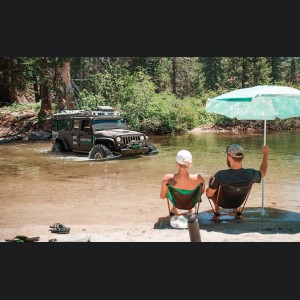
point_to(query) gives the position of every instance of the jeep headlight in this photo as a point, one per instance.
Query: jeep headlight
(142, 137)
(118, 139)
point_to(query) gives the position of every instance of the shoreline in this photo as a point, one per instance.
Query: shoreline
(23, 126)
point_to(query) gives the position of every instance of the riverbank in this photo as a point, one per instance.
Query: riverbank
(23, 126)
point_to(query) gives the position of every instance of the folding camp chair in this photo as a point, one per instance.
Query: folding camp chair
(230, 195)
(184, 199)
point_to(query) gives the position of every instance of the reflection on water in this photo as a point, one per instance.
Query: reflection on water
(282, 183)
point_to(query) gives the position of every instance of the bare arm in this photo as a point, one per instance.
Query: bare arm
(264, 164)
(164, 187)
(210, 192)
(201, 180)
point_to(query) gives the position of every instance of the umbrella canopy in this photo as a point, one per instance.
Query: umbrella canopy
(262, 102)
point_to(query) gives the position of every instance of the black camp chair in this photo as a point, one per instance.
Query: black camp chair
(184, 199)
(230, 196)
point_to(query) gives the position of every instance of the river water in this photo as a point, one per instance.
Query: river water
(31, 175)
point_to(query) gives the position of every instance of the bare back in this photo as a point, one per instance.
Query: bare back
(185, 182)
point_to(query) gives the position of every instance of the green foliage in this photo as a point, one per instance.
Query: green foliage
(188, 114)
(213, 73)
(142, 87)
(137, 98)
(163, 113)
(164, 75)
(161, 116)
(89, 100)
(21, 107)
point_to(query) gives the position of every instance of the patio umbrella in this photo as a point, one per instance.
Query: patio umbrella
(262, 102)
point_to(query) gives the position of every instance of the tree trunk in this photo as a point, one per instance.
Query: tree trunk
(95, 68)
(243, 71)
(5, 80)
(66, 78)
(293, 76)
(57, 92)
(174, 77)
(36, 90)
(46, 105)
(11, 83)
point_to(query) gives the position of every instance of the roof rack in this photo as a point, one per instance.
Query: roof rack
(98, 111)
(105, 110)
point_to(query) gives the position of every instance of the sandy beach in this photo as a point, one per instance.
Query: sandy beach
(254, 227)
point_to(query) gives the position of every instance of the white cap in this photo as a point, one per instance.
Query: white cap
(184, 157)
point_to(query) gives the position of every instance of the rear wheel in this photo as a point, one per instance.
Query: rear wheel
(57, 147)
(99, 152)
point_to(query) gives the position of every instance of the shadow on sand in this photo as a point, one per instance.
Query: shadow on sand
(255, 219)
(163, 223)
(267, 221)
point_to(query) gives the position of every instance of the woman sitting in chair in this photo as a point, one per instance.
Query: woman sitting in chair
(182, 183)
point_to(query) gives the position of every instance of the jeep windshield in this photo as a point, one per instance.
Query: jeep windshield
(109, 124)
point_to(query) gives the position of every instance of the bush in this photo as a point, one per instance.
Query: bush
(163, 113)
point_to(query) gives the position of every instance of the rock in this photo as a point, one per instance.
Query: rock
(4, 140)
(25, 126)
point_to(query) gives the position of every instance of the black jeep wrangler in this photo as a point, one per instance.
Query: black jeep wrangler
(101, 133)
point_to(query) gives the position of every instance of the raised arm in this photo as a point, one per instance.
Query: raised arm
(264, 164)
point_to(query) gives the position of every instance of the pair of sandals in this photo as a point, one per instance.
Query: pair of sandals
(59, 228)
(55, 228)
(23, 238)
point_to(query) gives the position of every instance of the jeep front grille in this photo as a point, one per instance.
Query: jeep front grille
(127, 139)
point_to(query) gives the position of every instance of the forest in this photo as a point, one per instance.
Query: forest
(155, 94)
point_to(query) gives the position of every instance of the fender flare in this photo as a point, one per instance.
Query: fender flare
(64, 142)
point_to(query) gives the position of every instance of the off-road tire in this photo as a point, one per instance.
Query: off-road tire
(99, 152)
(58, 147)
(152, 148)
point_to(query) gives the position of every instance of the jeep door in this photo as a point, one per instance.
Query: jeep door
(85, 136)
(81, 136)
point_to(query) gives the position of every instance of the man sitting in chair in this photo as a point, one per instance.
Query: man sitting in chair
(236, 173)
(182, 181)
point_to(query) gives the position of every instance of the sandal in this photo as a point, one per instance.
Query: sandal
(23, 238)
(59, 228)
(55, 225)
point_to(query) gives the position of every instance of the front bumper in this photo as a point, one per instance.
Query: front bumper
(131, 151)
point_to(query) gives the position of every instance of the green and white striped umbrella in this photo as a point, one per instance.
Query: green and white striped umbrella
(262, 102)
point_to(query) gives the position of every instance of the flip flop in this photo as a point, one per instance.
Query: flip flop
(59, 228)
(52, 240)
(23, 238)
(55, 225)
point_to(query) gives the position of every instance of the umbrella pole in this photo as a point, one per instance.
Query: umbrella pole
(263, 183)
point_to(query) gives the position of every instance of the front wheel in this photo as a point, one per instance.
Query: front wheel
(152, 149)
(99, 152)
